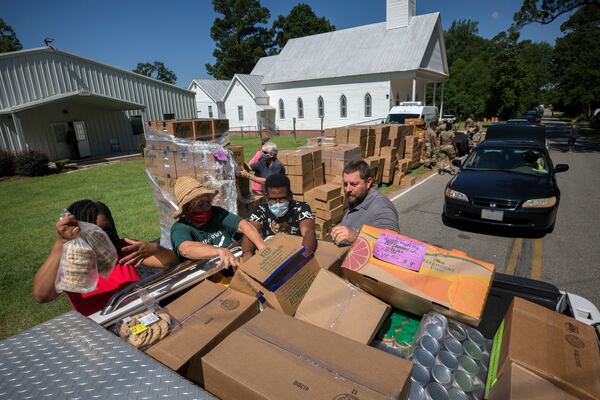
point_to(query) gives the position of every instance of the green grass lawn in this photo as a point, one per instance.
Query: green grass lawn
(30, 207)
(251, 144)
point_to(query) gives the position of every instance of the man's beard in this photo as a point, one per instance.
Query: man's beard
(354, 200)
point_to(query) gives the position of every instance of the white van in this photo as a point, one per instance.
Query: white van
(409, 110)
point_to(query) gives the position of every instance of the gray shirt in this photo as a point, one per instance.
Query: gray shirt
(375, 210)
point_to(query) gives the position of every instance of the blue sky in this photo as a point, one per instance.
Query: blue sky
(123, 33)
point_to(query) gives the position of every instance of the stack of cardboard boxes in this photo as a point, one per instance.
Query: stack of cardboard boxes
(328, 205)
(304, 167)
(196, 129)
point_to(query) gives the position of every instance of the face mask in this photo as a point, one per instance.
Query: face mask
(279, 209)
(266, 157)
(202, 217)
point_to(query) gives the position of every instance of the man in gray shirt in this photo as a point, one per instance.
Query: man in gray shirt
(367, 205)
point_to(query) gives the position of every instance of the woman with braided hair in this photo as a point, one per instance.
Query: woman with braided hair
(131, 254)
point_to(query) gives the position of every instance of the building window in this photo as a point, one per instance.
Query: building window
(210, 113)
(281, 109)
(300, 108)
(368, 105)
(168, 116)
(343, 107)
(137, 125)
(240, 113)
(321, 107)
(397, 98)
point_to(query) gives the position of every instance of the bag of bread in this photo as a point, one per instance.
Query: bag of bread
(106, 253)
(77, 269)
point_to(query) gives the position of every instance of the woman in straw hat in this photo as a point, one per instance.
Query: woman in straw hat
(204, 231)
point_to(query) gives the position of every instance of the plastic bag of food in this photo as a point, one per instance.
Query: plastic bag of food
(147, 328)
(106, 253)
(77, 271)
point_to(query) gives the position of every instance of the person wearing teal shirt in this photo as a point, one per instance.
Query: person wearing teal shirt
(204, 231)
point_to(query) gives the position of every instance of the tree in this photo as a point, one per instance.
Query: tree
(467, 88)
(546, 11)
(301, 21)
(510, 81)
(240, 36)
(463, 41)
(157, 70)
(577, 61)
(537, 59)
(8, 38)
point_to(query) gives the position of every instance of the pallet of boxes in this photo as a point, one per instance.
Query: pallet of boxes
(315, 173)
(195, 148)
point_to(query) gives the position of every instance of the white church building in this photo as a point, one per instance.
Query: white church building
(339, 78)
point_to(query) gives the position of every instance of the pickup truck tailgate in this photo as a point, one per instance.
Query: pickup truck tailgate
(70, 356)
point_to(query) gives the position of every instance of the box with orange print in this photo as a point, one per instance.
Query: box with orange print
(418, 277)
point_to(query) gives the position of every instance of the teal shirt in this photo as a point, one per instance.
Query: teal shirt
(219, 231)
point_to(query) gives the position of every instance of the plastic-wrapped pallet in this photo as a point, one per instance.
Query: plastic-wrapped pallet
(167, 158)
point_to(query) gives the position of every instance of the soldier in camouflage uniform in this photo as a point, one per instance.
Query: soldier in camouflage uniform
(470, 123)
(478, 135)
(448, 147)
(431, 145)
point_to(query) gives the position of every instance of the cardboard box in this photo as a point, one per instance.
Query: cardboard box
(447, 281)
(327, 192)
(317, 158)
(328, 205)
(166, 184)
(318, 176)
(160, 163)
(519, 383)
(184, 163)
(555, 347)
(296, 157)
(209, 313)
(279, 275)
(338, 306)
(301, 184)
(278, 357)
(328, 256)
(334, 180)
(299, 170)
(341, 135)
(329, 132)
(331, 214)
(238, 153)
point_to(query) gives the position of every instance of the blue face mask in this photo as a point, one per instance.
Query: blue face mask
(266, 157)
(279, 209)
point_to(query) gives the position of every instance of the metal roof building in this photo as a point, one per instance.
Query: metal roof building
(49, 95)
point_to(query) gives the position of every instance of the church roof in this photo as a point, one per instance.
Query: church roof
(368, 49)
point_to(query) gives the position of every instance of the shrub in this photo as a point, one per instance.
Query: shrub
(31, 163)
(7, 163)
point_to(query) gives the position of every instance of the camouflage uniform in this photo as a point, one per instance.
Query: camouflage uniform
(448, 148)
(431, 150)
(469, 123)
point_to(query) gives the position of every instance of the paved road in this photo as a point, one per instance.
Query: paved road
(568, 258)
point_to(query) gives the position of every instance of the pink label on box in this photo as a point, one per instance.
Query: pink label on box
(400, 251)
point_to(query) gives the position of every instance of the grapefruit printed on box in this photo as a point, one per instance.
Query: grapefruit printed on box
(358, 256)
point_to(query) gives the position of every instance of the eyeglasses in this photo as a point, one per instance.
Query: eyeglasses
(280, 201)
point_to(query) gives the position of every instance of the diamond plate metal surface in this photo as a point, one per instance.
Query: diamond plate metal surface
(71, 357)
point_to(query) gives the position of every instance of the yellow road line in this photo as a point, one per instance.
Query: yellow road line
(536, 267)
(513, 260)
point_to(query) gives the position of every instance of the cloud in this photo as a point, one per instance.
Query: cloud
(496, 15)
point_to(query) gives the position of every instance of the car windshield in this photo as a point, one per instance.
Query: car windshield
(400, 118)
(523, 160)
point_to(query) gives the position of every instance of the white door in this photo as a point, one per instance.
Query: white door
(82, 140)
(59, 134)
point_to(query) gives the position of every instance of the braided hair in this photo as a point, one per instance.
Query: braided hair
(88, 210)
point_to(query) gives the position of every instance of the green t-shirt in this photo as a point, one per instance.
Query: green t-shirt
(219, 231)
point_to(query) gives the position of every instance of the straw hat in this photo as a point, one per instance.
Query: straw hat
(186, 190)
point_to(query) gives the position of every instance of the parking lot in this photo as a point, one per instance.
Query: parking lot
(567, 258)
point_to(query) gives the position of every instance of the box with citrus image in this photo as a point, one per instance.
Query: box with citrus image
(418, 277)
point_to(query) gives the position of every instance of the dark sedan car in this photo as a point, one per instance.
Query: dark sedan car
(506, 182)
